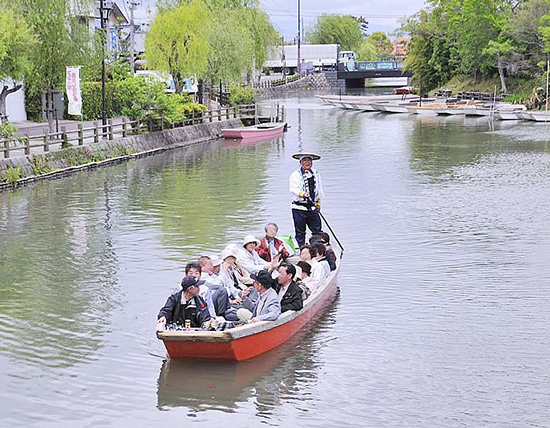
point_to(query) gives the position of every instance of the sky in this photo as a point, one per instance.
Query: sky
(382, 15)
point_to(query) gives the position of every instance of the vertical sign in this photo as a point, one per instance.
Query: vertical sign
(74, 95)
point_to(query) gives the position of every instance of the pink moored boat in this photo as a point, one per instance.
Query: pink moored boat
(260, 131)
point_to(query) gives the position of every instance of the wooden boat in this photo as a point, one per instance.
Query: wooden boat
(249, 340)
(260, 131)
(538, 116)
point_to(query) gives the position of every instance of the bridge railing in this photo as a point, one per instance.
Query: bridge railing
(371, 66)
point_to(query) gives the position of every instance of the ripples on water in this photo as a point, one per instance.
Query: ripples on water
(444, 311)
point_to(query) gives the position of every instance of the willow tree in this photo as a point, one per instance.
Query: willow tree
(336, 29)
(16, 42)
(61, 38)
(178, 41)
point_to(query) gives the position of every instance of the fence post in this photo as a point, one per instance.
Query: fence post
(234, 111)
(227, 113)
(46, 142)
(162, 122)
(27, 145)
(96, 132)
(80, 134)
(6, 149)
(278, 112)
(138, 125)
(64, 138)
(210, 118)
(110, 128)
(124, 127)
(219, 111)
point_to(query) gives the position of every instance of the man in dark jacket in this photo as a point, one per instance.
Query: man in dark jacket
(290, 293)
(185, 305)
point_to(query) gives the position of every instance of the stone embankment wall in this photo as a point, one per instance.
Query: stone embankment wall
(66, 161)
(314, 82)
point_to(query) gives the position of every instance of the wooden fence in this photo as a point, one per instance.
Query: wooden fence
(116, 129)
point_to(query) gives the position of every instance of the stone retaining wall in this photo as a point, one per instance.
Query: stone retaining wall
(317, 81)
(76, 158)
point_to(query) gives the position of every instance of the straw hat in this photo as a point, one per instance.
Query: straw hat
(301, 156)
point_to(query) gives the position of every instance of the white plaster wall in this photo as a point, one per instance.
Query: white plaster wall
(15, 105)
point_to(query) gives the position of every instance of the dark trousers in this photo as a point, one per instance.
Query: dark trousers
(221, 301)
(311, 219)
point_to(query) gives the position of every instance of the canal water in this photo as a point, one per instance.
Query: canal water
(444, 310)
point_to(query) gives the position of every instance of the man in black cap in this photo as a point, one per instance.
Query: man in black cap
(185, 305)
(267, 307)
(306, 190)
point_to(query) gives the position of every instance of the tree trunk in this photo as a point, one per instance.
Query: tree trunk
(501, 75)
(3, 96)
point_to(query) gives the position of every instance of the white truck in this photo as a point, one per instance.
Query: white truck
(319, 57)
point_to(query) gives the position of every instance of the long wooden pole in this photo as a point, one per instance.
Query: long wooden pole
(547, 73)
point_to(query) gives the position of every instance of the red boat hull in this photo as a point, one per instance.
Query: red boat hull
(249, 346)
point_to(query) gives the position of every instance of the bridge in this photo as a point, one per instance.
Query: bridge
(355, 73)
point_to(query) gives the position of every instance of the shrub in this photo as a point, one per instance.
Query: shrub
(92, 100)
(241, 95)
(13, 175)
(8, 131)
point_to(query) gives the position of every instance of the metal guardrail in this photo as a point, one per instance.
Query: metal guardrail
(96, 133)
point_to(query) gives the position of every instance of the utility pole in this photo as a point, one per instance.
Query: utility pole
(104, 7)
(299, 37)
(132, 5)
(104, 41)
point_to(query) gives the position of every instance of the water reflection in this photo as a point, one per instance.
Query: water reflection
(58, 298)
(268, 379)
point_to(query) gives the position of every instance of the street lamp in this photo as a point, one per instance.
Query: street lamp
(105, 7)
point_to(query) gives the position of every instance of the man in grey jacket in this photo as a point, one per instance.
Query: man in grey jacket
(267, 307)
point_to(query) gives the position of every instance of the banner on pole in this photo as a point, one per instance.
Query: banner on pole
(73, 91)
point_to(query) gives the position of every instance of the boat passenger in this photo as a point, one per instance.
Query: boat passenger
(319, 265)
(324, 239)
(210, 268)
(251, 261)
(270, 246)
(185, 305)
(205, 292)
(290, 293)
(308, 282)
(228, 277)
(305, 253)
(267, 307)
(306, 190)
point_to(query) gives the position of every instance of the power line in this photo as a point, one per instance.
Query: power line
(312, 14)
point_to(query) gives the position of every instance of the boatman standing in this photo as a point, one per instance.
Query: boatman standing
(306, 190)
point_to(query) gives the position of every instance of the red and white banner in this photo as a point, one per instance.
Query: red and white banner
(74, 95)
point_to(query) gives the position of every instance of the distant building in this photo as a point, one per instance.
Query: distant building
(400, 47)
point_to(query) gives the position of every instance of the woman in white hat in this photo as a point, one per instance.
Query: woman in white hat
(251, 261)
(306, 190)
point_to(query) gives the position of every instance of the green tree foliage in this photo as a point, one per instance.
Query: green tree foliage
(232, 51)
(382, 44)
(61, 39)
(16, 43)
(477, 38)
(367, 51)
(178, 41)
(234, 37)
(338, 29)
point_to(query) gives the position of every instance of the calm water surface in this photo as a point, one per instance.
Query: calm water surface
(444, 310)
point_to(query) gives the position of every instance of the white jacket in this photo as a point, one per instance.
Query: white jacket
(251, 261)
(298, 185)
